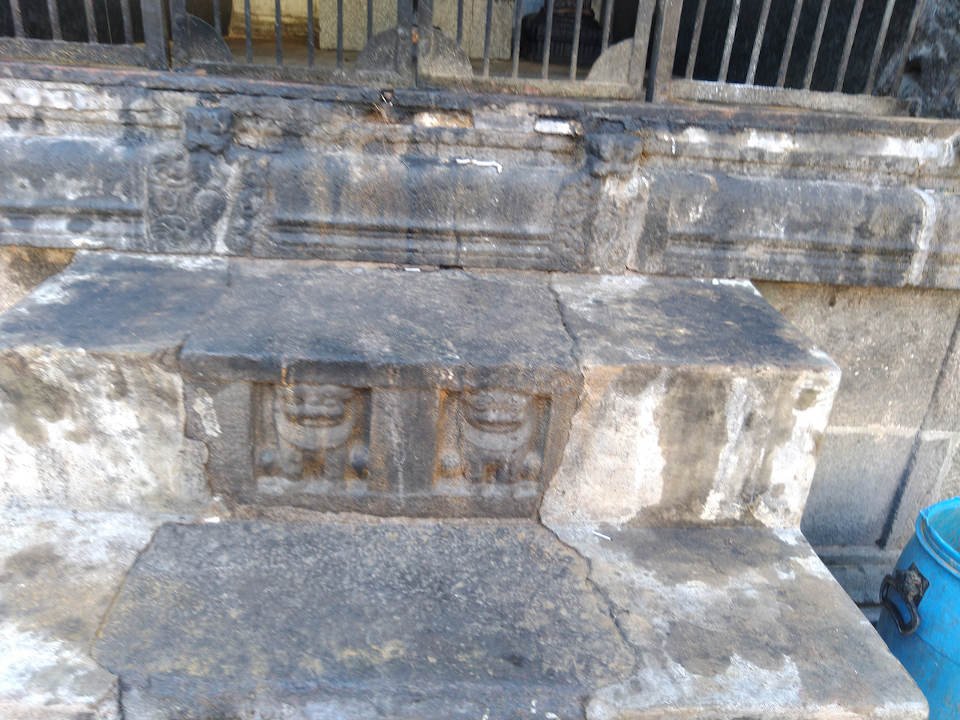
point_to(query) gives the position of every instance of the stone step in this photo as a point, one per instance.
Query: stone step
(415, 619)
(137, 382)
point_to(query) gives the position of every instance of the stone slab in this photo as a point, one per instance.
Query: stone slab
(782, 228)
(359, 619)
(472, 619)
(108, 302)
(59, 572)
(700, 405)
(382, 327)
(737, 623)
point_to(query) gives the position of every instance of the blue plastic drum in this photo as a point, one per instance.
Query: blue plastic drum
(920, 619)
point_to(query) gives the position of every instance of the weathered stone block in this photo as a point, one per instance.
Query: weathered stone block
(715, 224)
(91, 401)
(23, 268)
(855, 486)
(890, 344)
(700, 405)
(736, 623)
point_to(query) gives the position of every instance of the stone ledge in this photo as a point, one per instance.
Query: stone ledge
(377, 619)
(392, 392)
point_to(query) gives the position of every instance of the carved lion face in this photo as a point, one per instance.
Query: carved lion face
(496, 411)
(316, 405)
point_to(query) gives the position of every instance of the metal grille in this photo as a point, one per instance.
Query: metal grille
(835, 46)
(92, 31)
(532, 46)
(653, 49)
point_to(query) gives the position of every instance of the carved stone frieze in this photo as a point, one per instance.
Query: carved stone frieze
(200, 199)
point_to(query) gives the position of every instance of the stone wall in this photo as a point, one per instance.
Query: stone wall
(893, 443)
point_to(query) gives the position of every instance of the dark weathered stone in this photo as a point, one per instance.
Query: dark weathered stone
(932, 80)
(424, 178)
(700, 405)
(381, 619)
(724, 225)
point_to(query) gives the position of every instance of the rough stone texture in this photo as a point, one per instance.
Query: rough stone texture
(23, 268)
(59, 572)
(91, 404)
(393, 619)
(310, 621)
(854, 489)
(737, 623)
(424, 178)
(699, 405)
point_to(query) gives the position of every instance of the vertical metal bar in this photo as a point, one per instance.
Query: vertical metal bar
(665, 49)
(907, 42)
(487, 33)
(155, 36)
(179, 32)
(128, 20)
(788, 45)
(758, 42)
(17, 18)
(278, 32)
(547, 38)
(848, 45)
(815, 45)
(92, 35)
(878, 48)
(575, 51)
(54, 14)
(247, 31)
(641, 42)
(695, 40)
(728, 44)
(339, 33)
(460, 20)
(311, 43)
(607, 17)
(216, 18)
(517, 24)
(369, 19)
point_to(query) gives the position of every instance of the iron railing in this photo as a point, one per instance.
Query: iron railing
(797, 51)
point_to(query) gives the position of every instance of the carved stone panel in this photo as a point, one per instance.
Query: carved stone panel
(311, 439)
(491, 442)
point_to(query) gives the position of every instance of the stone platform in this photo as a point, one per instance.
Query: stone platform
(364, 618)
(384, 391)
